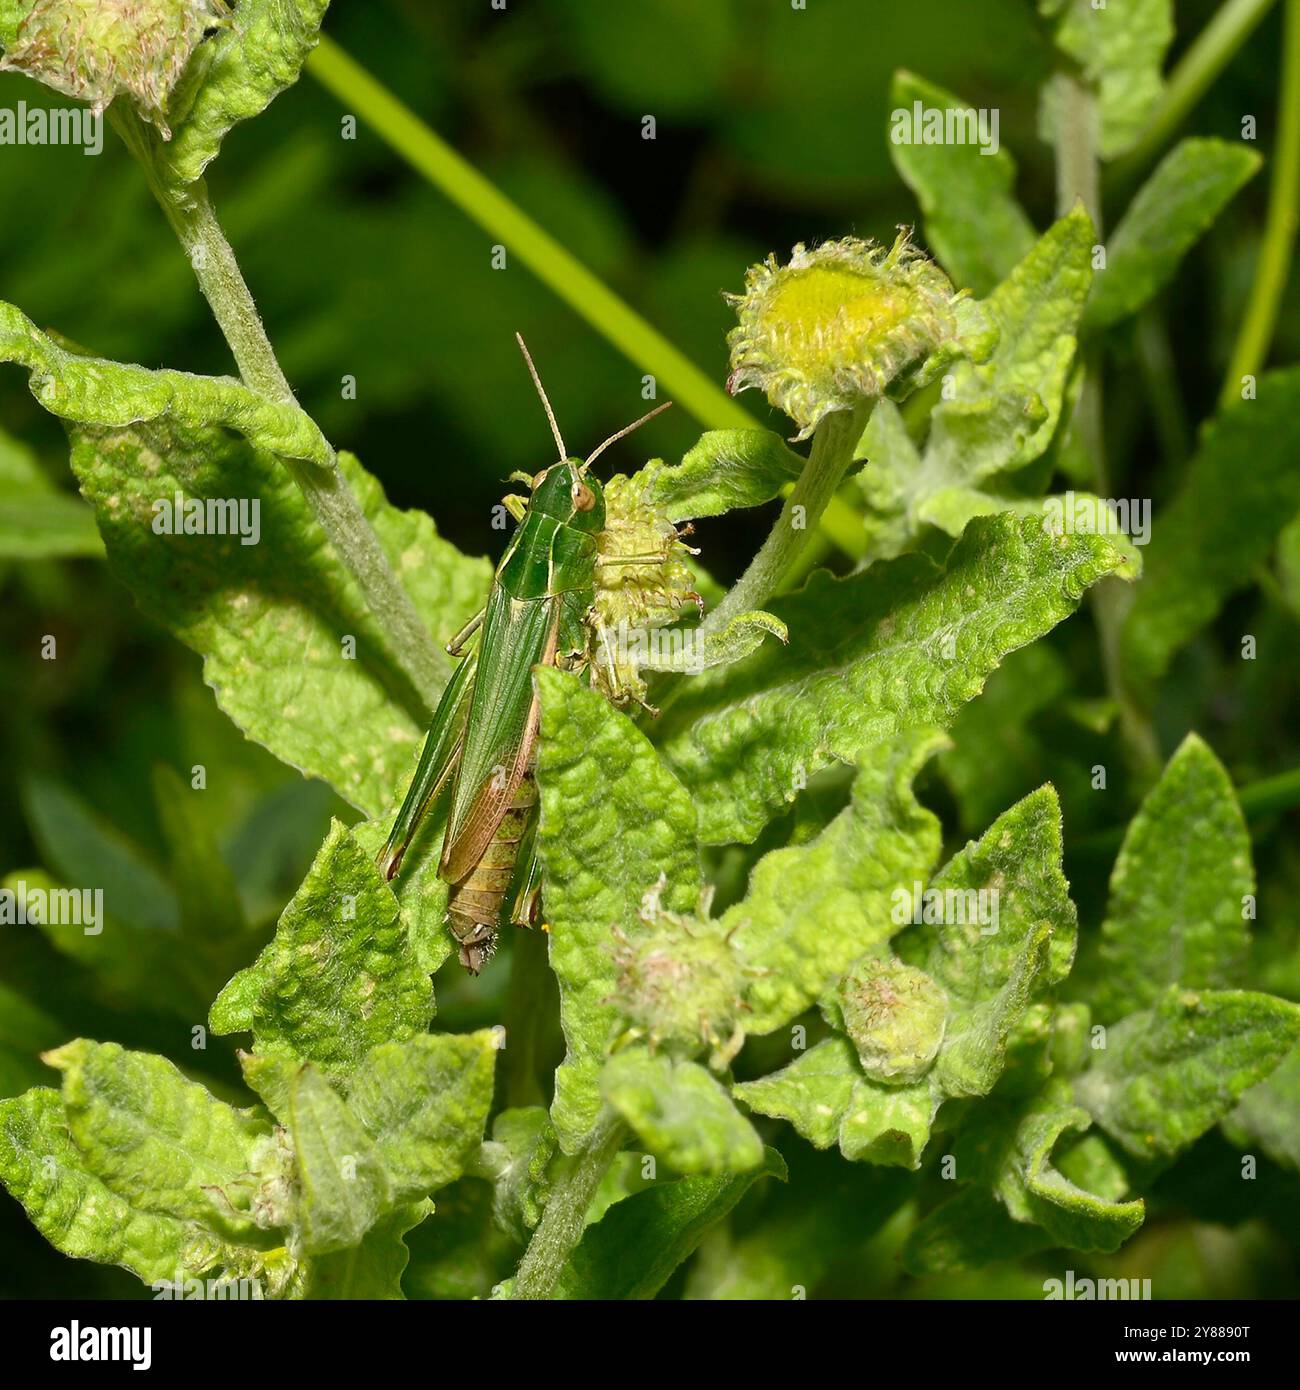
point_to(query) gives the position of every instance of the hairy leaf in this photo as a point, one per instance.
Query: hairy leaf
(1177, 889)
(1168, 216)
(1168, 1073)
(974, 225)
(723, 470)
(37, 521)
(898, 647)
(613, 820)
(294, 656)
(1268, 1115)
(680, 1113)
(1194, 561)
(340, 976)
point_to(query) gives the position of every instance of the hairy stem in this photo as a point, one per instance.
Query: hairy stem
(190, 213)
(829, 460)
(1274, 264)
(1076, 178)
(561, 1226)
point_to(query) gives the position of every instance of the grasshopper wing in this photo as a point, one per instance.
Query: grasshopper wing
(501, 733)
(442, 745)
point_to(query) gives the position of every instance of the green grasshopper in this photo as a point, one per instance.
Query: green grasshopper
(484, 732)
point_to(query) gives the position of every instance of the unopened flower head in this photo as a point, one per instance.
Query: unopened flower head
(896, 1016)
(96, 50)
(838, 325)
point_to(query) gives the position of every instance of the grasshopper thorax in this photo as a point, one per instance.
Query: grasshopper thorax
(575, 498)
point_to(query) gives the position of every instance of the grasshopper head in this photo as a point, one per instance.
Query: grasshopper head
(570, 495)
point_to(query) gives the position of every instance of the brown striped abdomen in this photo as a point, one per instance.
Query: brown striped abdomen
(474, 906)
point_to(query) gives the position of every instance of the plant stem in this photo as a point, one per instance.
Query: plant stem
(1274, 265)
(829, 460)
(1212, 51)
(562, 1223)
(1076, 177)
(554, 266)
(190, 213)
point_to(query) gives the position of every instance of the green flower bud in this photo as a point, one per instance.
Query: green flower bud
(95, 50)
(839, 325)
(680, 985)
(895, 1015)
(649, 594)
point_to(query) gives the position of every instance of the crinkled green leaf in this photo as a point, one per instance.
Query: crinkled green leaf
(631, 1252)
(1002, 413)
(1120, 48)
(1194, 561)
(812, 908)
(517, 1160)
(898, 647)
(741, 636)
(1169, 214)
(613, 820)
(88, 391)
(272, 620)
(723, 470)
(342, 1186)
(974, 225)
(424, 1102)
(1168, 1073)
(73, 1208)
(160, 1142)
(247, 66)
(1268, 1115)
(372, 1269)
(340, 975)
(969, 1231)
(1177, 889)
(680, 1113)
(827, 1098)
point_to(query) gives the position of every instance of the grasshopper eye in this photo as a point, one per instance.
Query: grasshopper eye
(583, 498)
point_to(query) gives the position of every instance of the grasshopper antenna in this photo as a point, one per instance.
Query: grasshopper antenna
(541, 391)
(626, 430)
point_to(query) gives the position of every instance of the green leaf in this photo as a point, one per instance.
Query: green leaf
(424, 1102)
(37, 521)
(1003, 413)
(812, 908)
(340, 975)
(272, 621)
(631, 1252)
(1167, 217)
(212, 917)
(90, 392)
(343, 1188)
(159, 1141)
(702, 651)
(1120, 49)
(12, 14)
(724, 470)
(1177, 889)
(373, 1269)
(898, 647)
(249, 64)
(1268, 1115)
(73, 1208)
(613, 820)
(974, 225)
(1194, 562)
(969, 1231)
(680, 1113)
(826, 1097)
(517, 1160)
(1169, 1073)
